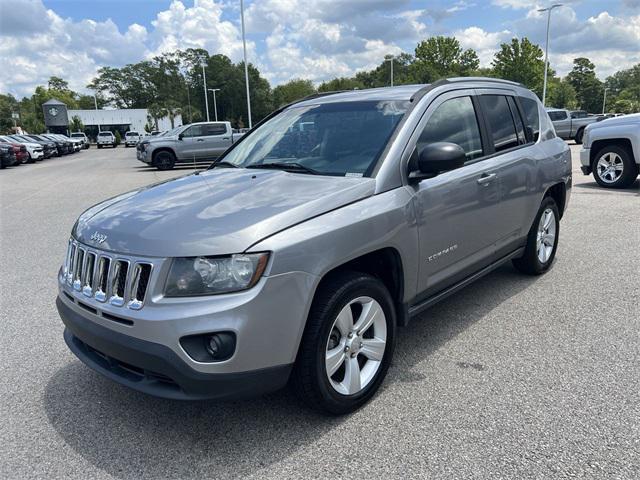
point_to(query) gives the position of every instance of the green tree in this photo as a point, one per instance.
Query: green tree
(624, 87)
(292, 91)
(57, 83)
(76, 124)
(381, 75)
(8, 106)
(441, 57)
(118, 137)
(561, 94)
(589, 90)
(521, 61)
(339, 84)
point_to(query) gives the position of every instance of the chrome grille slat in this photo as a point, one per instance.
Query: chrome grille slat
(119, 280)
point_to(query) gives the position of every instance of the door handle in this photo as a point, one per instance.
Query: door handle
(486, 179)
(225, 138)
(200, 140)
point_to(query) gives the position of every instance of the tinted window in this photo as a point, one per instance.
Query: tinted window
(501, 126)
(579, 114)
(454, 121)
(555, 116)
(531, 117)
(214, 129)
(515, 112)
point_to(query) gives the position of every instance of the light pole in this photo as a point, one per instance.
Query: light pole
(246, 66)
(206, 99)
(95, 102)
(604, 100)
(215, 106)
(546, 49)
(390, 59)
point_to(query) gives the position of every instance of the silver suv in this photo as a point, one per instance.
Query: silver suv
(187, 143)
(299, 253)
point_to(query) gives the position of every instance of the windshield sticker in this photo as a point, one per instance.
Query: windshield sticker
(353, 174)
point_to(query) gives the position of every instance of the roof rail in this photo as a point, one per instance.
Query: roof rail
(483, 79)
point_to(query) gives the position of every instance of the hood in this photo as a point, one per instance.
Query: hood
(220, 211)
(633, 119)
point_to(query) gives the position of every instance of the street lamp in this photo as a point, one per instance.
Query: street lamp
(604, 101)
(215, 107)
(246, 67)
(204, 78)
(546, 49)
(390, 59)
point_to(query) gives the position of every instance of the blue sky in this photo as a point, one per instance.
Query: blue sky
(314, 39)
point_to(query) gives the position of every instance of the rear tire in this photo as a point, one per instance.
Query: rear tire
(614, 167)
(542, 240)
(99, 147)
(351, 331)
(30, 158)
(164, 160)
(579, 136)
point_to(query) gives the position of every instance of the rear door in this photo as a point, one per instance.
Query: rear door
(562, 123)
(457, 211)
(514, 153)
(217, 138)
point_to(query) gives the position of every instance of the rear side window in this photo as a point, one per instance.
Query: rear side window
(454, 121)
(517, 120)
(214, 129)
(501, 124)
(531, 117)
(555, 116)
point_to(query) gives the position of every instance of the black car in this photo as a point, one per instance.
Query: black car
(61, 147)
(68, 144)
(7, 157)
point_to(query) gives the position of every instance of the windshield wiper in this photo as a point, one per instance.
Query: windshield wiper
(288, 166)
(224, 163)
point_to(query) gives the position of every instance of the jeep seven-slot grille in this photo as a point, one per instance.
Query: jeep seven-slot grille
(105, 277)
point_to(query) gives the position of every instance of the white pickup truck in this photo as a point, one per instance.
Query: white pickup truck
(187, 143)
(611, 151)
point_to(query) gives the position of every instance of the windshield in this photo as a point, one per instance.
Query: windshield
(331, 139)
(77, 135)
(131, 134)
(104, 134)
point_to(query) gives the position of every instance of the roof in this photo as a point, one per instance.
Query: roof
(54, 101)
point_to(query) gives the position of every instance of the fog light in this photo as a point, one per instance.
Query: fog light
(210, 347)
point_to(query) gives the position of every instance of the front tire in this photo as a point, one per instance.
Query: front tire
(614, 167)
(542, 240)
(164, 160)
(347, 345)
(579, 136)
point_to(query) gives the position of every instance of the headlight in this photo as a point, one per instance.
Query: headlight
(213, 275)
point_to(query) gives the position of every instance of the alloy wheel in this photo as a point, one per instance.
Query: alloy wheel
(610, 167)
(356, 346)
(546, 237)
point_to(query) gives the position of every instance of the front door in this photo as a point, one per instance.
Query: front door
(457, 211)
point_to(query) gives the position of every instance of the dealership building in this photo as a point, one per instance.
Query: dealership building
(58, 118)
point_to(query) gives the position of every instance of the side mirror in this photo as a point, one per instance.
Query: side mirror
(436, 158)
(180, 136)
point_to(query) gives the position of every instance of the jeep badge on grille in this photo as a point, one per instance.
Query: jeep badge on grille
(98, 237)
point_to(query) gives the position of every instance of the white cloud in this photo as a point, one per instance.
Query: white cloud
(486, 44)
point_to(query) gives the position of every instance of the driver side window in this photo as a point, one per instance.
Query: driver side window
(454, 121)
(193, 131)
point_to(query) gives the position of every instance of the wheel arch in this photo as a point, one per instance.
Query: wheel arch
(163, 149)
(598, 145)
(559, 193)
(384, 264)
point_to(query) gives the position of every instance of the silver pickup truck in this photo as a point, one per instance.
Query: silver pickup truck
(571, 125)
(187, 143)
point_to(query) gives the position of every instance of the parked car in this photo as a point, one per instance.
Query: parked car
(570, 125)
(76, 143)
(7, 155)
(187, 143)
(611, 151)
(105, 139)
(301, 250)
(34, 150)
(131, 138)
(19, 150)
(63, 147)
(83, 137)
(49, 146)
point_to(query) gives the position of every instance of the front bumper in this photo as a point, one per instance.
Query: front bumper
(155, 369)
(585, 160)
(143, 156)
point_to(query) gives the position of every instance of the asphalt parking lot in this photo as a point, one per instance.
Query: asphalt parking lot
(514, 377)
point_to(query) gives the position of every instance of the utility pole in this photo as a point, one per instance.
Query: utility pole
(246, 65)
(215, 106)
(95, 102)
(206, 99)
(546, 50)
(604, 101)
(390, 59)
